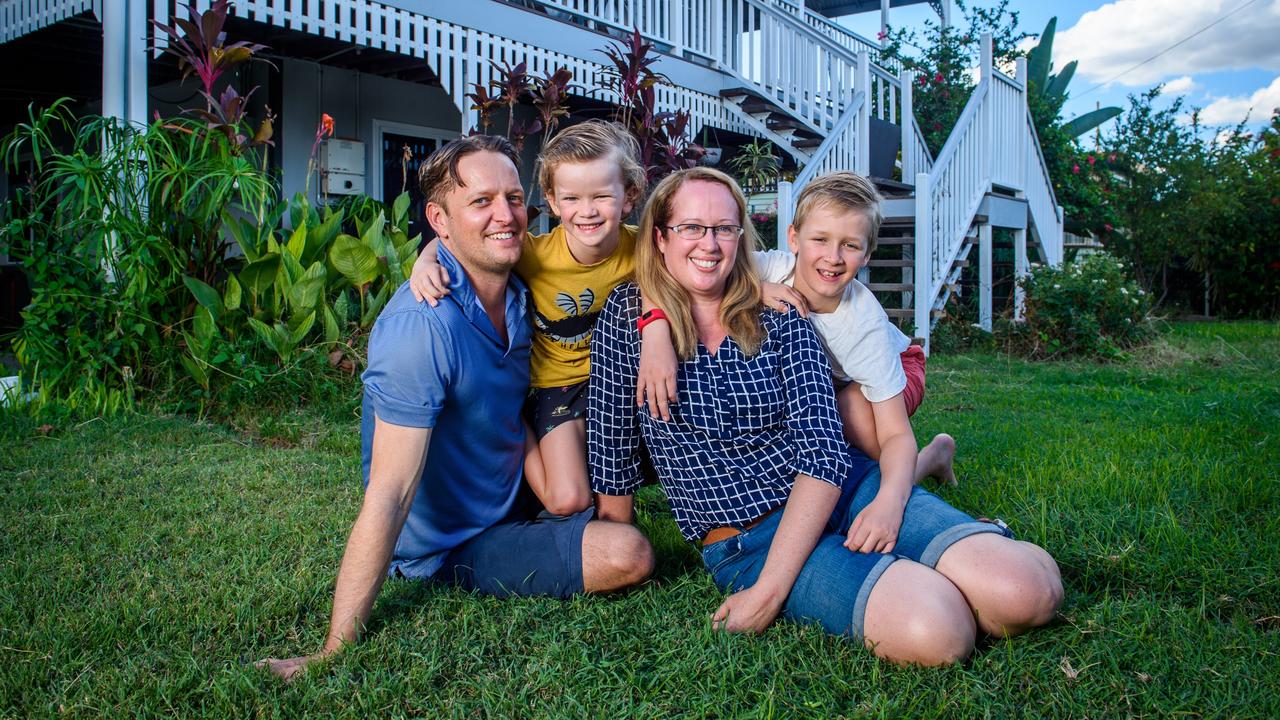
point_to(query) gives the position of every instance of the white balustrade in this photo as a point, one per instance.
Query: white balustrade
(1008, 110)
(461, 56)
(20, 17)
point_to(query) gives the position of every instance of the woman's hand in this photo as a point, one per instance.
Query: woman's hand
(784, 297)
(876, 527)
(751, 610)
(656, 376)
(429, 280)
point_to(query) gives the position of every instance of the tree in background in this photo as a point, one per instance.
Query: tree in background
(1073, 170)
(1196, 208)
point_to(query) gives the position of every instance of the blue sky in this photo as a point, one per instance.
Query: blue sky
(1230, 70)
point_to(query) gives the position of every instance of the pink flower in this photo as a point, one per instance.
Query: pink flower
(1092, 160)
(1111, 158)
(882, 35)
(1107, 227)
(1075, 169)
(937, 78)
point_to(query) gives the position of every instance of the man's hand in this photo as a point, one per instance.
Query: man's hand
(656, 376)
(784, 297)
(876, 527)
(291, 668)
(748, 611)
(429, 280)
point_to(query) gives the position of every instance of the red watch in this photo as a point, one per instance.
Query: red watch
(651, 316)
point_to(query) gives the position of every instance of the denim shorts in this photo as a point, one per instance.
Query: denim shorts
(531, 553)
(834, 584)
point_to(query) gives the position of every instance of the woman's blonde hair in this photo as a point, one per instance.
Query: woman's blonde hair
(740, 306)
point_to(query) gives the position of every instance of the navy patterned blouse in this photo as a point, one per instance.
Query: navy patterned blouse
(742, 428)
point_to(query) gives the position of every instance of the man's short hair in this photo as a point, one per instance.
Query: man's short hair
(847, 191)
(438, 175)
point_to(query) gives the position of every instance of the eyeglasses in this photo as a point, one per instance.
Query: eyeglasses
(694, 231)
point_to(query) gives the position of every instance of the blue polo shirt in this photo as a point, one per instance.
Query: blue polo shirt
(446, 368)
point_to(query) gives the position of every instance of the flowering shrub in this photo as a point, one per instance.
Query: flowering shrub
(1090, 307)
(766, 228)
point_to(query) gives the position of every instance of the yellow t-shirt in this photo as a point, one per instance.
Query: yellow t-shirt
(567, 298)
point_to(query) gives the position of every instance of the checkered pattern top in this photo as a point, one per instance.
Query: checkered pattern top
(741, 431)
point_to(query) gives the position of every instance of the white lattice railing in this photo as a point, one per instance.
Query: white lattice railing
(460, 56)
(694, 27)
(1007, 113)
(20, 17)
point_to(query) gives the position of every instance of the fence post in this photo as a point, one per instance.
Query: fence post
(675, 20)
(786, 206)
(1023, 141)
(985, 280)
(906, 117)
(1058, 256)
(863, 163)
(923, 290)
(1019, 271)
(986, 113)
(717, 33)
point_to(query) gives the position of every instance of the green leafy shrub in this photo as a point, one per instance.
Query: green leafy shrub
(1087, 308)
(305, 283)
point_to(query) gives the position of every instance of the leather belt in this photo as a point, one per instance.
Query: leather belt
(716, 534)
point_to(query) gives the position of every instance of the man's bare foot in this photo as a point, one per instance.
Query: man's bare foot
(936, 458)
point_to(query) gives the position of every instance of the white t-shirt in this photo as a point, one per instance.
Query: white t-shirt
(862, 344)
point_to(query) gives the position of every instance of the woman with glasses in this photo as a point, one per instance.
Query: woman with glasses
(755, 465)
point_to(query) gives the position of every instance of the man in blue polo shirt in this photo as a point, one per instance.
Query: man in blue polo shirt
(443, 443)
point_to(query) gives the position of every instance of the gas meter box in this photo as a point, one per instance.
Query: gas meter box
(342, 167)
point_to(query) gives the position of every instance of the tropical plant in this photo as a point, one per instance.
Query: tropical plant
(297, 283)
(664, 137)
(755, 165)
(1052, 87)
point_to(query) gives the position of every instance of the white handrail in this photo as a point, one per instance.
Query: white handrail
(841, 150)
(1041, 200)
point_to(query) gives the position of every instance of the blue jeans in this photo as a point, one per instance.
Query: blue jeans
(834, 584)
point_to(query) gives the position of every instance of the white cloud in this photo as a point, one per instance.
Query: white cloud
(1181, 86)
(1231, 110)
(1124, 33)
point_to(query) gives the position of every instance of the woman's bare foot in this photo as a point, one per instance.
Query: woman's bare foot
(935, 459)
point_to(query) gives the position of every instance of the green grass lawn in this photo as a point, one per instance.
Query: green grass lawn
(146, 561)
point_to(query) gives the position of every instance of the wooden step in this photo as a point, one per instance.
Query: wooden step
(891, 287)
(904, 240)
(891, 263)
(909, 313)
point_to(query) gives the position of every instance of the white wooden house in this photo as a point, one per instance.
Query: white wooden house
(394, 72)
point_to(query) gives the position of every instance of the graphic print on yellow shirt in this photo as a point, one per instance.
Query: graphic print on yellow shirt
(567, 298)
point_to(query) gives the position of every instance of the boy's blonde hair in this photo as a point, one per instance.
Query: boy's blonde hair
(592, 140)
(846, 191)
(740, 306)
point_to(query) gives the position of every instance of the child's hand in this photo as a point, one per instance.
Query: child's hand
(429, 280)
(876, 527)
(656, 378)
(784, 297)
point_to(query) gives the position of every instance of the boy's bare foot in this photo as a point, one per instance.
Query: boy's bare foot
(936, 457)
